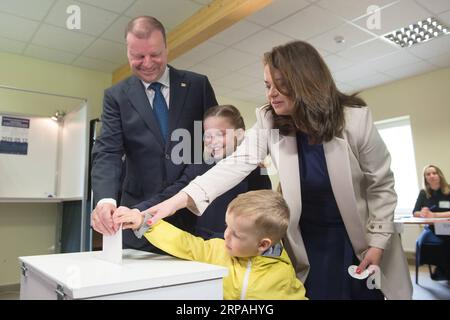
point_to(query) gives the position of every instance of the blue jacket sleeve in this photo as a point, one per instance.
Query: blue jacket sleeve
(209, 96)
(107, 152)
(258, 180)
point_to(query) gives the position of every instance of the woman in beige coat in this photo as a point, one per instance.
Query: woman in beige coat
(335, 175)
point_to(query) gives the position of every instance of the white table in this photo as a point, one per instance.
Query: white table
(442, 225)
(142, 275)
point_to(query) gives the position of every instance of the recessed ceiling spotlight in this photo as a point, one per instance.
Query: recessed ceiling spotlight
(421, 31)
(58, 116)
(339, 39)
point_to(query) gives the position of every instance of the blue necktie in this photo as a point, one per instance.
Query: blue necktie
(160, 109)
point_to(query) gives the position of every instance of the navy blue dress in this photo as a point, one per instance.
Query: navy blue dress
(327, 243)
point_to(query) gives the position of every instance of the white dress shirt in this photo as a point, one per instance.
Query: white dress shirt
(165, 88)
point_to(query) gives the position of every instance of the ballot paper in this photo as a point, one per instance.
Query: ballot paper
(352, 271)
(112, 247)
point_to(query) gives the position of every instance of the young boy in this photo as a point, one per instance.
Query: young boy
(259, 267)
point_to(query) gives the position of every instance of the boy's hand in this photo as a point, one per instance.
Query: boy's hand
(129, 218)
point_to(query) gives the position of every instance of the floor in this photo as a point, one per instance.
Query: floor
(426, 290)
(9, 294)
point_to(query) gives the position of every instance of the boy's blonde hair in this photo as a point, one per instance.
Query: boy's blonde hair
(268, 209)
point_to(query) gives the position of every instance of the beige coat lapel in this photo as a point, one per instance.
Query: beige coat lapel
(339, 170)
(289, 173)
(285, 156)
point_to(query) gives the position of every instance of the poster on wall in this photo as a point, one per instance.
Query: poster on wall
(14, 135)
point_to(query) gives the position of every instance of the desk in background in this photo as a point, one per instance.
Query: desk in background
(142, 275)
(441, 225)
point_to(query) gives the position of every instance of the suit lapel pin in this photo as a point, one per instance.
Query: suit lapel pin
(183, 84)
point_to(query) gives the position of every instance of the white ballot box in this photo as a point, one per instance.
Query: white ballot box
(141, 275)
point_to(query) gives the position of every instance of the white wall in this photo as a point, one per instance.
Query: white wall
(25, 229)
(426, 99)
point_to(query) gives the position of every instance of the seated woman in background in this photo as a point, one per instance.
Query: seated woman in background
(434, 202)
(434, 198)
(224, 130)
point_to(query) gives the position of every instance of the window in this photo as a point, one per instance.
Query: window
(396, 134)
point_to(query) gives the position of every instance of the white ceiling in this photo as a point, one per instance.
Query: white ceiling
(37, 28)
(232, 59)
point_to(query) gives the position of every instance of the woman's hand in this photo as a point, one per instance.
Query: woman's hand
(372, 257)
(168, 207)
(426, 213)
(129, 218)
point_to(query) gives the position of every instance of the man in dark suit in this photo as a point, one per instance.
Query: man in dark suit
(139, 115)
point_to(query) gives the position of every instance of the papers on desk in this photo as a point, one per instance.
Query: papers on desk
(415, 220)
(112, 247)
(442, 228)
(441, 225)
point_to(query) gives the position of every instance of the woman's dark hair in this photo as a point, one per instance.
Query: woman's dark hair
(307, 81)
(226, 111)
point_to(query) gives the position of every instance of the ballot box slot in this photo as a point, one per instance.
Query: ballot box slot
(60, 295)
(24, 269)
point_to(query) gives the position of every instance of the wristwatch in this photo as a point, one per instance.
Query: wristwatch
(144, 227)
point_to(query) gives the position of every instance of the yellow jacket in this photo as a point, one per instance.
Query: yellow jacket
(258, 277)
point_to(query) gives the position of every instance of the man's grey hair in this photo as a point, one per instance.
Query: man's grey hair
(143, 26)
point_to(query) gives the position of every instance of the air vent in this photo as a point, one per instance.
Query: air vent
(419, 32)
